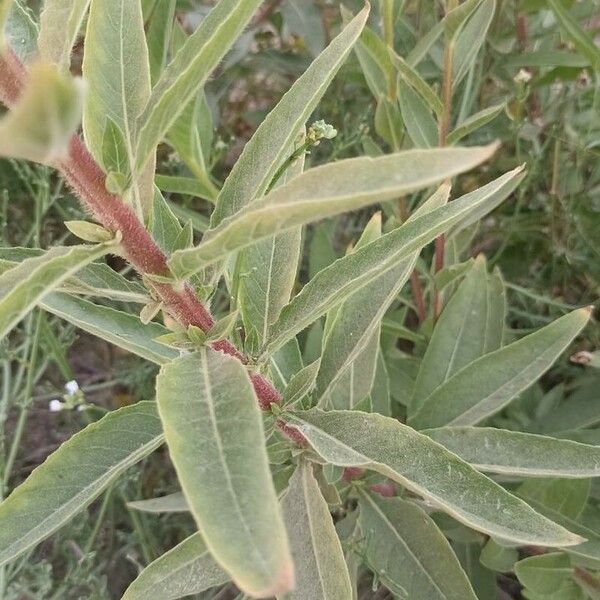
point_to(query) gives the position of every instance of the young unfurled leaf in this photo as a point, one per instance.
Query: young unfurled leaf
(40, 126)
(214, 431)
(408, 552)
(187, 72)
(23, 286)
(301, 384)
(355, 439)
(266, 150)
(350, 273)
(187, 569)
(470, 326)
(60, 21)
(321, 570)
(326, 191)
(516, 453)
(77, 473)
(492, 381)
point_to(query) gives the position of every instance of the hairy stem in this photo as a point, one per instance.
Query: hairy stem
(87, 181)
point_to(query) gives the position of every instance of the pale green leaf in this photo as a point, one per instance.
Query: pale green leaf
(350, 273)
(355, 329)
(117, 76)
(408, 552)
(266, 150)
(164, 225)
(305, 20)
(186, 569)
(21, 30)
(213, 427)
(474, 122)
(158, 35)
(186, 186)
(419, 123)
(301, 384)
(60, 21)
(321, 572)
(544, 574)
(575, 34)
(492, 381)
(516, 453)
(267, 274)
(23, 286)
(466, 330)
(75, 474)
(116, 327)
(40, 126)
(388, 122)
(5, 8)
(470, 38)
(187, 72)
(171, 503)
(326, 191)
(355, 439)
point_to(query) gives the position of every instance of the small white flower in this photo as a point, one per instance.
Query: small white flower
(55, 405)
(523, 76)
(72, 387)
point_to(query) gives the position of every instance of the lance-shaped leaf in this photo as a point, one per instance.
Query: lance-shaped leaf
(60, 22)
(358, 319)
(321, 570)
(492, 381)
(117, 74)
(419, 123)
(470, 326)
(214, 430)
(474, 122)
(159, 29)
(408, 552)
(23, 286)
(516, 453)
(266, 150)
(188, 70)
(267, 273)
(326, 191)
(186, 569)
(116, 327)
(350, 273)
(75, 474)
(355, 439)
(40, 126)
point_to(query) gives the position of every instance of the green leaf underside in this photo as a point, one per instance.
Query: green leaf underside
(347, 438)
(267, 148)
(326, 191)
(23, 286)
(75, 474)
(492, 381)
(408, 552)
(353, 271)
(516, 453)
(321, 572)
(186, 569)
(214, 430)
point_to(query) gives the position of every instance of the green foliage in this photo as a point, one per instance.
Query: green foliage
(319, 386)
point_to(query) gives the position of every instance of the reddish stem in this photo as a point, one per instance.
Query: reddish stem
(87, 180)
(417, 291)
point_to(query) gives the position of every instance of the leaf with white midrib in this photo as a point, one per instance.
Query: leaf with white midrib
(407, 550)
(214, 430)
(355, 439)
(489, 383)
(85, 465)
(266, 150)
(321, 571)
(353, 271)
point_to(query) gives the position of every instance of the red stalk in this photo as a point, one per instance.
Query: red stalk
(87, 181)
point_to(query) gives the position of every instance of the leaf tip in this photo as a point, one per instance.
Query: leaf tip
(283, 582)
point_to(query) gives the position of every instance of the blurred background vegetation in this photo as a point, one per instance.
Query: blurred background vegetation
(545, 240)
